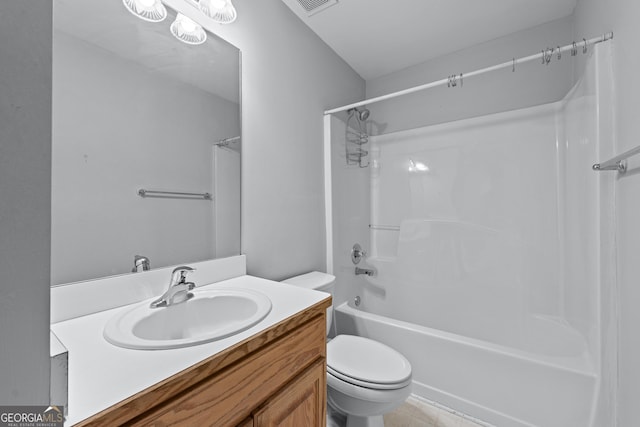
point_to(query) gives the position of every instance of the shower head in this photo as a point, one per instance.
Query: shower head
(361, 114)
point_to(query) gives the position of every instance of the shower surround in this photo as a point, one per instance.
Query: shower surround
(492, 240)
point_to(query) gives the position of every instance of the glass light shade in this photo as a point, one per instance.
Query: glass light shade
(188, 31)
(149, 10)
(221, 11)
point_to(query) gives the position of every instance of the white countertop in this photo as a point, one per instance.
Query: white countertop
(101, 374)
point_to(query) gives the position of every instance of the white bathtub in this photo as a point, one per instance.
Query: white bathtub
(494, 383)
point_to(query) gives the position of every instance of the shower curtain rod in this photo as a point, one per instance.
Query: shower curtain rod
(453, 80)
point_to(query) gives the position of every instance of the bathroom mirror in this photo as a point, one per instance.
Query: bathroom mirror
(136, 109)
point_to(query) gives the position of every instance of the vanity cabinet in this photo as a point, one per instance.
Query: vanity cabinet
(275, 378)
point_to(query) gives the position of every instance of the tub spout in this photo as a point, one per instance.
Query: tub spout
(366, 271)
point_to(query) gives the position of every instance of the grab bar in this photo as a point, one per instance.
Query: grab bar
(617, 163)
(169, 194)
(384, 227)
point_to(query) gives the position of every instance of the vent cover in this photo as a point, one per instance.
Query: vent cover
(314, 6)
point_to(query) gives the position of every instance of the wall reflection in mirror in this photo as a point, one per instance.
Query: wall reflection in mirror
(135, 108)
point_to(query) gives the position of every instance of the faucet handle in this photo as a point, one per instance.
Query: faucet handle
(179, 274)
(183, 268)
(140, 263)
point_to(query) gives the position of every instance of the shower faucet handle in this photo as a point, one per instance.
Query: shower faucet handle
(357, 253)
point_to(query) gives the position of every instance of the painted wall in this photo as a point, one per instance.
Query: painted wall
(593, 17)
(119, 127)
(531, 84)
(289, 77)
(25, 186)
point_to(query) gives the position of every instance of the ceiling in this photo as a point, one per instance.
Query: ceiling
(378, 37)
(213, 66)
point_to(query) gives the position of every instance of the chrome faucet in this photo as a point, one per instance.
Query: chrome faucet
(178, 288)
(366, 271)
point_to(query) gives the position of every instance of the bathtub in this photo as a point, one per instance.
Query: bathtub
(500, 385)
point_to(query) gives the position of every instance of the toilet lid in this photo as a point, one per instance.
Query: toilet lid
(366, 362)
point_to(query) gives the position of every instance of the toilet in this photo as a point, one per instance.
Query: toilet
(365, 378)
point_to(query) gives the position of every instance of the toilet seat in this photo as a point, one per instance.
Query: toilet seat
(367, 363)
(378, 396)
(367, 384)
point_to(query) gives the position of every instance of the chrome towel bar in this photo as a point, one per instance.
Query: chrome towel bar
(384, 227)
(174, 194)
(225, 142)
(617, 163)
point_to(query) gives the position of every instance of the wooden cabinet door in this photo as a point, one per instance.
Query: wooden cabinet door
(301, 403)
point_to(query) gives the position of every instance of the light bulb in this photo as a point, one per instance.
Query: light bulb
(221, 11)
(188, 25)
(218, 4)
(188, 31)
(148, 10)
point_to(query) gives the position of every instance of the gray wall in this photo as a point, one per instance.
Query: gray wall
(593, 17)
(289, 78)
(25, 200)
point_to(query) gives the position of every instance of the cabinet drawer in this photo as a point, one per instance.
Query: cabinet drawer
(229, 397)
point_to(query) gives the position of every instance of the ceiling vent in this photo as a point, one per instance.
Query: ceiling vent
(314, 6)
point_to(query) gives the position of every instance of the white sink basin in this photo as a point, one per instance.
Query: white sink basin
(210, 315)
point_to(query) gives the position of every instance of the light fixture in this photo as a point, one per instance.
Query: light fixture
(188, 31)
(221, 11)
(149, 10)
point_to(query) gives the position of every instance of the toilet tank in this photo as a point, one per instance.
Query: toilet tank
(318, 282)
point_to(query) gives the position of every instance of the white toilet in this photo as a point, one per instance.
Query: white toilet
(365, 378)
